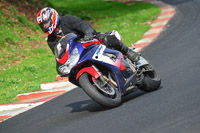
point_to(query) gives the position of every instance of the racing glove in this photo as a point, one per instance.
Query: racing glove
(88, 36)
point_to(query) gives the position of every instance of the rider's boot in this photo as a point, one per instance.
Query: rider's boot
(112, 41)
(132, 55)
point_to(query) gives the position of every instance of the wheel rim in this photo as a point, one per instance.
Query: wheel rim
(107, 90)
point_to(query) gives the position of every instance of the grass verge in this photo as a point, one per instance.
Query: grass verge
(25, 58)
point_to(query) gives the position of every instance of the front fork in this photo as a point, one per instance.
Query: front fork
(104, 79)
(105, 85)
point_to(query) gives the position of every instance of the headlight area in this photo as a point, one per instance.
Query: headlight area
(70, 63)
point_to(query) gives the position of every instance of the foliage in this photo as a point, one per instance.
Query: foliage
(14, 37)
(34, 3)
(22, 19)
(24, 58)
(27, 75)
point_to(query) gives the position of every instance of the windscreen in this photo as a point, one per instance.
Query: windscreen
(60, 48)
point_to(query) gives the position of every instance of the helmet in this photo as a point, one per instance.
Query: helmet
(48, 19)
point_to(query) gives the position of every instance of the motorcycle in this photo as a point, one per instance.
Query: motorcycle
(105, 74)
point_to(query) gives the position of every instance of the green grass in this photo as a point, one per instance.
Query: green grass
(14, 38)
(27, 75)
(26, 61)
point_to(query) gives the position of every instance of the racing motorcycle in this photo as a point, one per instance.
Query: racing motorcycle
(103, 73)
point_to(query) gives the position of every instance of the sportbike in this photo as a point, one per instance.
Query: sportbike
(103, 73)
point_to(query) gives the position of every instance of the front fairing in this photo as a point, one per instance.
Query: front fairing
(67, 53)
(62, 49)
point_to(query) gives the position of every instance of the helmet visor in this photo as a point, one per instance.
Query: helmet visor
(45, 26)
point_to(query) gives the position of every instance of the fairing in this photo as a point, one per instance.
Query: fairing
(93, 54)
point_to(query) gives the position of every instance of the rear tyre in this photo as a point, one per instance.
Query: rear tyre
(97, 95)
(151, 81)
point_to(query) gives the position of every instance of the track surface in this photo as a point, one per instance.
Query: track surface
(174, 108)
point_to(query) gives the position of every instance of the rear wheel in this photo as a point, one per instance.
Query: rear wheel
(107, 96)
(151, 80)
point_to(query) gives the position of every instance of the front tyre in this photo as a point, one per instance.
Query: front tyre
(152, 79)
(96, 94)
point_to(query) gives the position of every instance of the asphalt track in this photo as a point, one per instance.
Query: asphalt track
(174, 108)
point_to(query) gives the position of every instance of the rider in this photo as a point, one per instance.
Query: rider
(50, 22)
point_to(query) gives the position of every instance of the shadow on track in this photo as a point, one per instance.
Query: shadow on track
(87, 105)
(92, 106)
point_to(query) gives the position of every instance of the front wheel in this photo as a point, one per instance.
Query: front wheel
(111, 99)
(151, 80)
